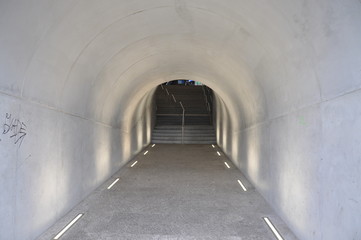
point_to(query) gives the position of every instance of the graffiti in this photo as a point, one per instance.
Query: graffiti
(14, 128)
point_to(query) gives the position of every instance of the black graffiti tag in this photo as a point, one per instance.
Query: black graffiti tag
(15, 128)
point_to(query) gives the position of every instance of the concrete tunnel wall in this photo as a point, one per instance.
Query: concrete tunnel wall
(77, 77)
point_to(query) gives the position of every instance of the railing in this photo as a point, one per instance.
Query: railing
(207, 102)
(183, 113)
(182, 121)
(206, 99)
(210, 95)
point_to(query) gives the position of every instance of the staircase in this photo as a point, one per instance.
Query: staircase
(198, 128)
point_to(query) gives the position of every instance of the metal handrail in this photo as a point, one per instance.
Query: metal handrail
(210, 95)
(183, 113)
(207, 102)
(206, 98)
(182, 122)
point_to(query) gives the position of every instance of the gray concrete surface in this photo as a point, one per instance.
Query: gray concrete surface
(173, 192)
(80, 75)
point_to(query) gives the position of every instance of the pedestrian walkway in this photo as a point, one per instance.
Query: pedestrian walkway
(173, 192)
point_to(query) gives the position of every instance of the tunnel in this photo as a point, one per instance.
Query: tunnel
(77, 83)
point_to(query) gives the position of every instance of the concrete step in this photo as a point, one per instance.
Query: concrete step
(177, 137)
(197, 136)
(171, 120)
(180, 122)
(169, 116)
(189, 110)
(189, 141)
(185, 127)
(184, 142)
(186, 132)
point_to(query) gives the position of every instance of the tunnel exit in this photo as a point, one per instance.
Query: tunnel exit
(184, 113)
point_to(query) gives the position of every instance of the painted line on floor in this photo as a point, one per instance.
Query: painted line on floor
(111, 185)
(219, 154)
(243, 187)
(153, 145)
(66, 228)
(146, 152)
(134, 164)
(227, 165)
(273, 228)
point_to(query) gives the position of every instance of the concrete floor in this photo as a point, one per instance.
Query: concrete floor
(173, 192)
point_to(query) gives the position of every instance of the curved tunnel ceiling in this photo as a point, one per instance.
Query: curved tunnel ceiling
(103, 56)
(266, 60)
(110, 64)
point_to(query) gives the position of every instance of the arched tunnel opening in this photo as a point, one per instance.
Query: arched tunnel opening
(184, 113)
(77, 85)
